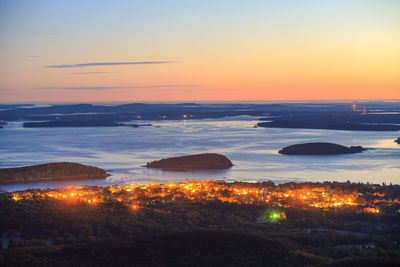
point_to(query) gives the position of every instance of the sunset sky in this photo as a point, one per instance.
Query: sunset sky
(102, 51)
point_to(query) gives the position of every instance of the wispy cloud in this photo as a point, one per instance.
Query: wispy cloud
(80, 88)
(165, 85)
(115, 87)
(93, 72)
(106, 64)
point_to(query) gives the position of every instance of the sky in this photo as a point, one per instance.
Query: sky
(103, 51)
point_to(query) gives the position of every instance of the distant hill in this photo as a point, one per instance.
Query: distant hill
(319, 149)
(51, 171)
(207, 161)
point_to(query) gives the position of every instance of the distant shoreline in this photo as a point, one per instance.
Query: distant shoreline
(79, 124)
(319, 125)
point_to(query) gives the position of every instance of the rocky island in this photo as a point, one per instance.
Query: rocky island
(397, 140)
(51, 171)
(206, 161)
(320, 149)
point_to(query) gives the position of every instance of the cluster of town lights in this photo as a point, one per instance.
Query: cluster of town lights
(135, 196)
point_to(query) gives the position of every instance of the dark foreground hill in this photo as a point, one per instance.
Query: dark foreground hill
(206, 161)
(51, 171)
(319, 149)
(199, 248)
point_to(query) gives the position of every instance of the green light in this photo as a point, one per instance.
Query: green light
(274, 215)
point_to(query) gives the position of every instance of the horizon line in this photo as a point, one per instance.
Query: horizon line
(222, 101)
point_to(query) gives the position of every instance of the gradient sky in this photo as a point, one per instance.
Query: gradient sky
(199, 50)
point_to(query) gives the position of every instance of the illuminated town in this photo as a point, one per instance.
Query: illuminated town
(285, 196)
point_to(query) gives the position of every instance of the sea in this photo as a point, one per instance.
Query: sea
(123, 151)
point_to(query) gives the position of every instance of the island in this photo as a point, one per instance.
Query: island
(206, 161)
(397, 140)
(320, 149)
(79, 124)
(51, 171)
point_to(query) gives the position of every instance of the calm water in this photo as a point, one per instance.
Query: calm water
(254, 151)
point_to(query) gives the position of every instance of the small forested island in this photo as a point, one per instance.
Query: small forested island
(320, 149)
(397, 140)
(206, 161)
(203, 223)
(51, 171)
(79, 124)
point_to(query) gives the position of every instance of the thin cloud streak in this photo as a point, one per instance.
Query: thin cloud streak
(166, 85)
(93, 72)
(80, 88)
(116, 87)
(106, 64)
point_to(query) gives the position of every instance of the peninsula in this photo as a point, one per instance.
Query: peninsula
(328, 124)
